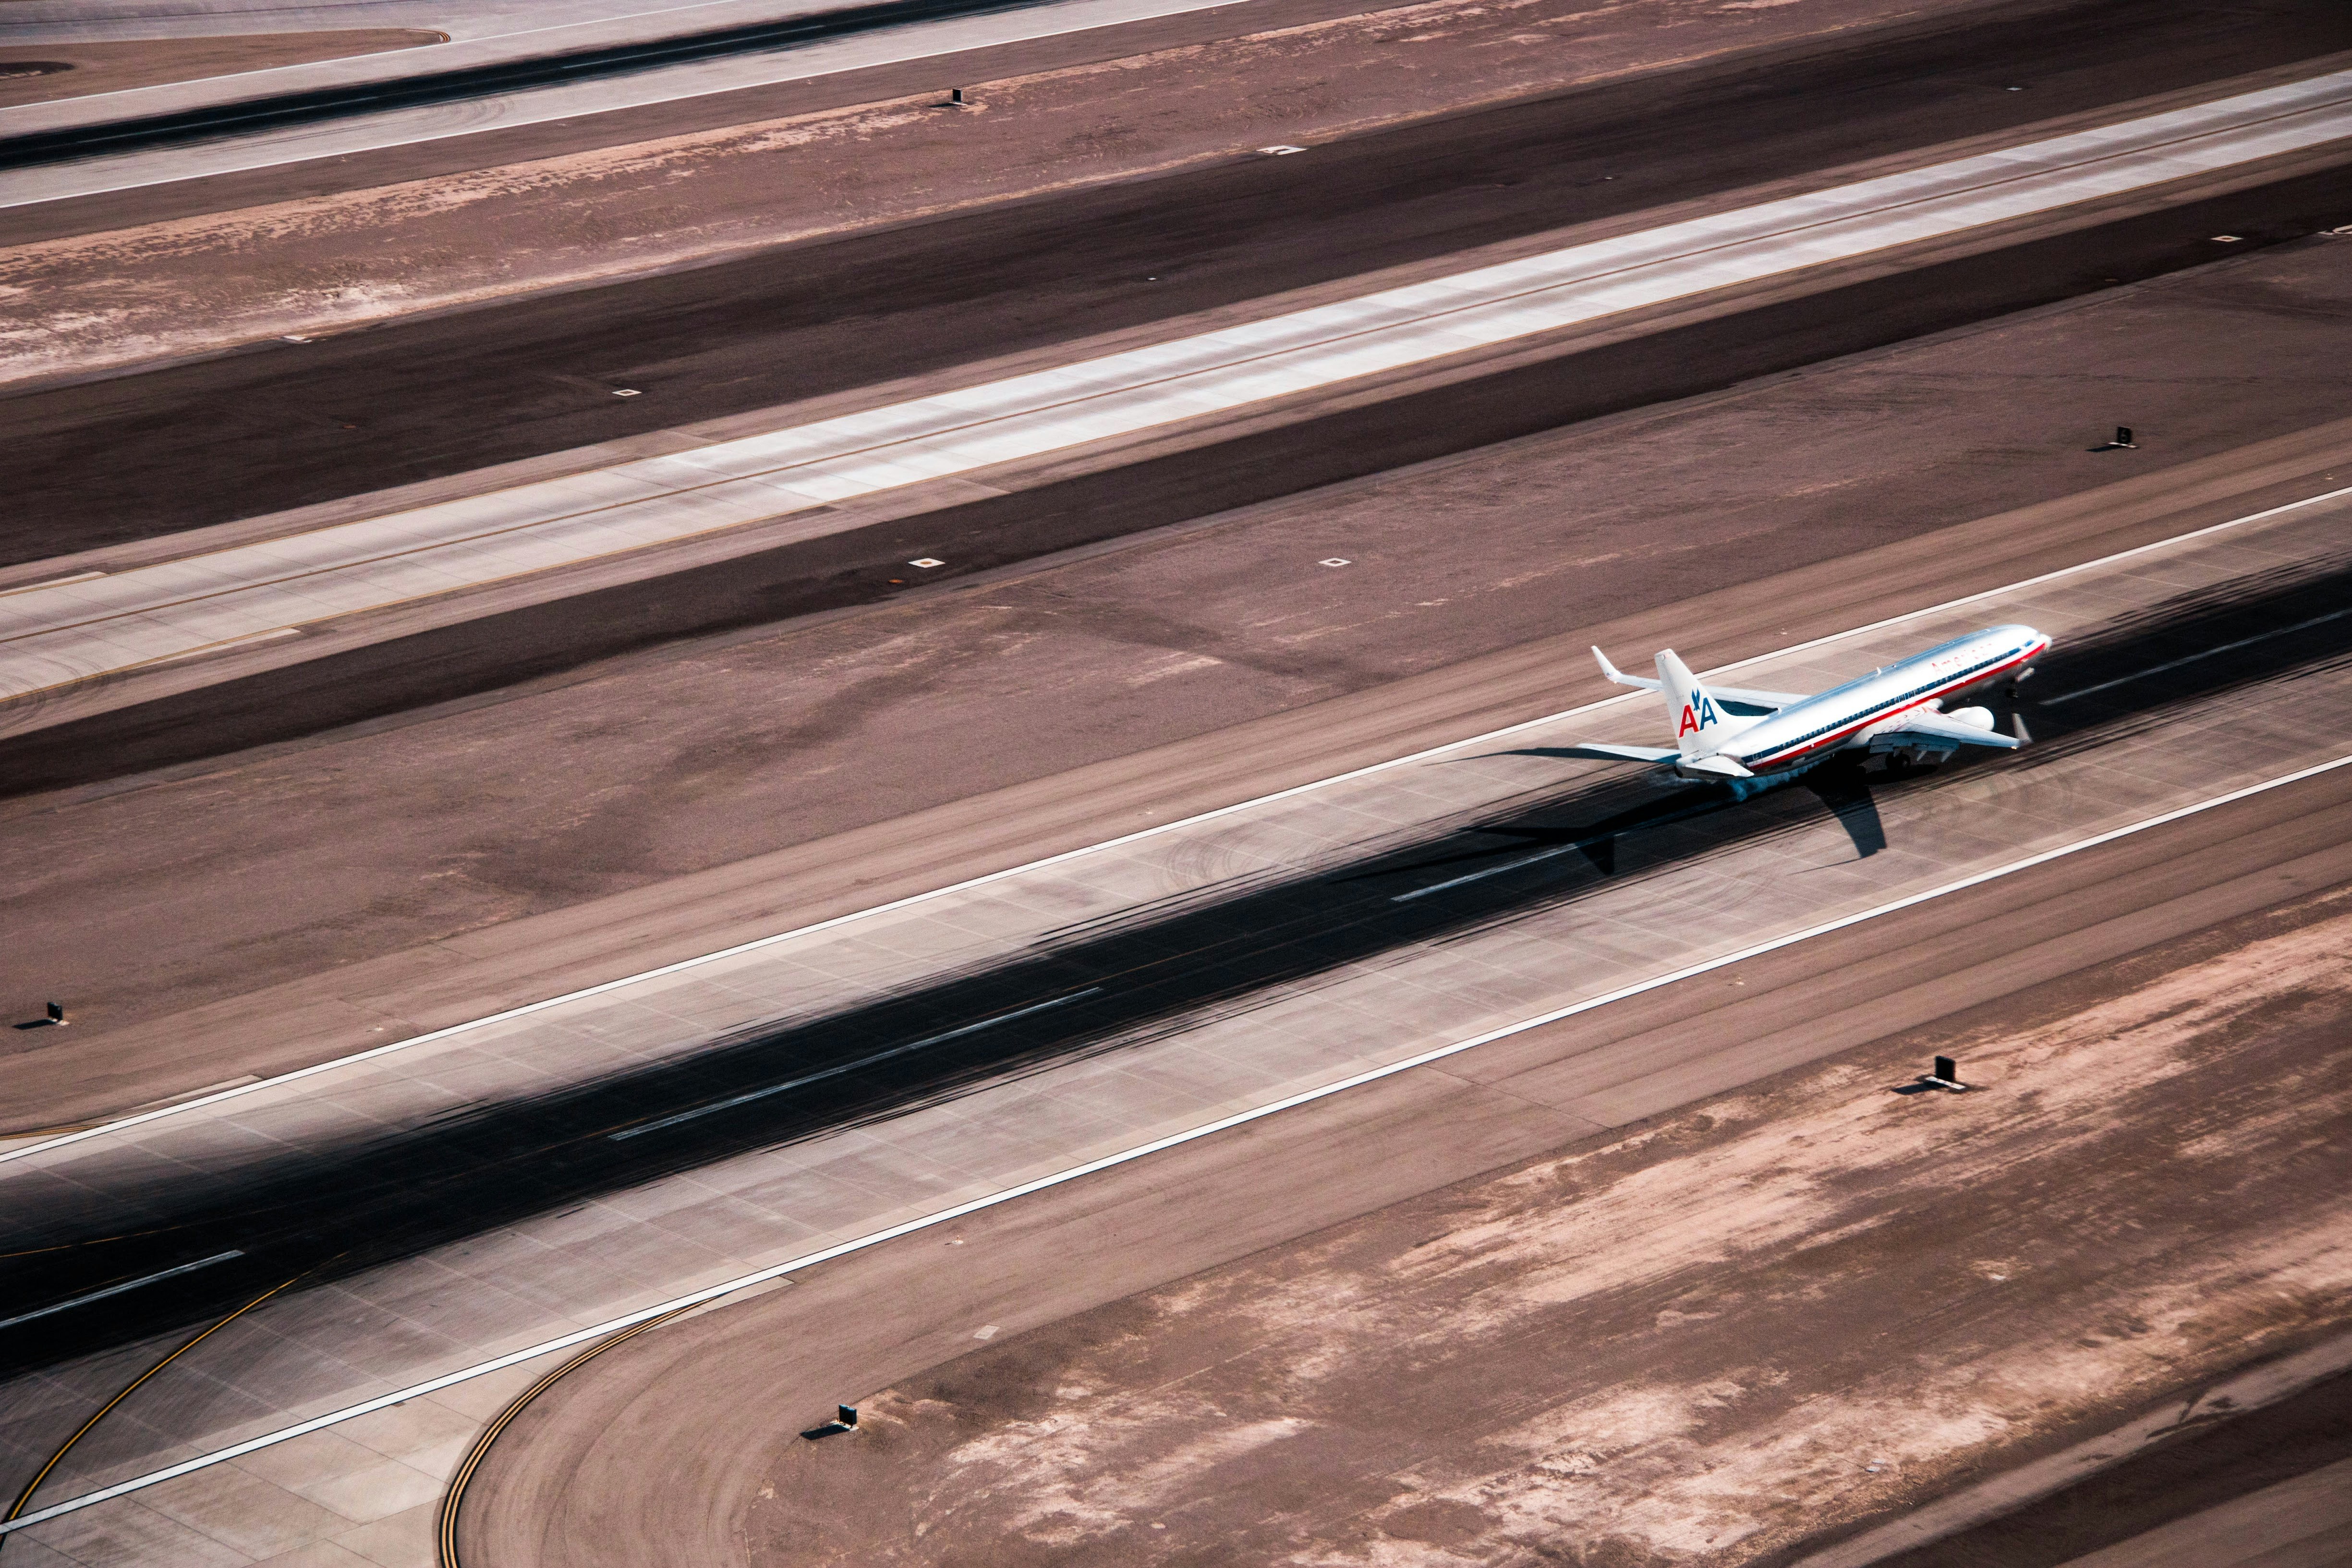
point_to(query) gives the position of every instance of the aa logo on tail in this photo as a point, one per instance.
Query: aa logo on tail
(1697, 714)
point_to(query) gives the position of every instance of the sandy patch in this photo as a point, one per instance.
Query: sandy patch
(1701, 1342)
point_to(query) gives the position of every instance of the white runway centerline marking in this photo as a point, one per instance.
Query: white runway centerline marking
(846, 1068)
(57, 637)
(118, 1289)
(2192, 659)
(1552, 853)
(1124, 1156)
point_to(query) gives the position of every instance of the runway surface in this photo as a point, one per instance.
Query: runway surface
(2307, 1522)
(87, 623)
(1062, 1250)
(1509, 877)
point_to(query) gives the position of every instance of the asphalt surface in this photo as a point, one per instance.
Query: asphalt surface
(679, 1424)
(316, 1214)
(282, 426)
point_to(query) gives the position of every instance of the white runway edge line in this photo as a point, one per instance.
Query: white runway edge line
(1207, 1128)
(55, 637)
(1254, 803)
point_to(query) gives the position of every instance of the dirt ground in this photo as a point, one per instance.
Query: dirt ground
(148, 292)
(1823, 1300)
(28, 74)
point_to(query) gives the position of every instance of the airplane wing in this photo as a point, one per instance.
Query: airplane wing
(1928, 724)
(1620, 753)
(1746, 701)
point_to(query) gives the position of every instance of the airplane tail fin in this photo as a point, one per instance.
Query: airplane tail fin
(1699, 727)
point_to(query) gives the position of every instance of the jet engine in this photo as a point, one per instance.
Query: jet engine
(1974, 718)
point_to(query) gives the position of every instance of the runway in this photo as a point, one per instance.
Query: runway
(1206, 1202)
(1667, 876)
(418, 1130)
(85, 625)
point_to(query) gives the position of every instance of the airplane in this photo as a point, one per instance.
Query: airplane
(1729, 735)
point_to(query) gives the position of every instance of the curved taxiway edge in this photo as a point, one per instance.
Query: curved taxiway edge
(660, 1453)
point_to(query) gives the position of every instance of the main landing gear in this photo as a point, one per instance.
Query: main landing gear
(1910, 760)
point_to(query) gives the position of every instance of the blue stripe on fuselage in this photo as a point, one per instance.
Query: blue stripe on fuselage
(1838, 730)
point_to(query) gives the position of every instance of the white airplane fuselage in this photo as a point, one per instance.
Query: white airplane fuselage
(1849, 716)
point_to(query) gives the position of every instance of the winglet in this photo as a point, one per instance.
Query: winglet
(1618, 676)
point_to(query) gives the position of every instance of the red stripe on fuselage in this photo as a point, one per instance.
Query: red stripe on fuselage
(1963, 682)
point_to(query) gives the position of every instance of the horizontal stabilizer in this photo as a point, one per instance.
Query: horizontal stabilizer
(1722, 767)
(1927, 725)
(1747, 702)
(1622, 753)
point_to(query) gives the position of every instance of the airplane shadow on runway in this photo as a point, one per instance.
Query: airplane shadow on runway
(1841, 784)
(325, 1212)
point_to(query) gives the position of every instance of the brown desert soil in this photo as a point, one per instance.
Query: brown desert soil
(134, 295)
(1779, 1313)
(116, 64)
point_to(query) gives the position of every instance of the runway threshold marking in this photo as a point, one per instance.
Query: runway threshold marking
(1254, 803)
(1108, 1162)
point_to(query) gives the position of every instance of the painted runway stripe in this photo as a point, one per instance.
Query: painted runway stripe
(1557, 849)
(1256, 803)
(119, 1289)
(2192, 659)
(1174, 1139)
(849, 1067)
